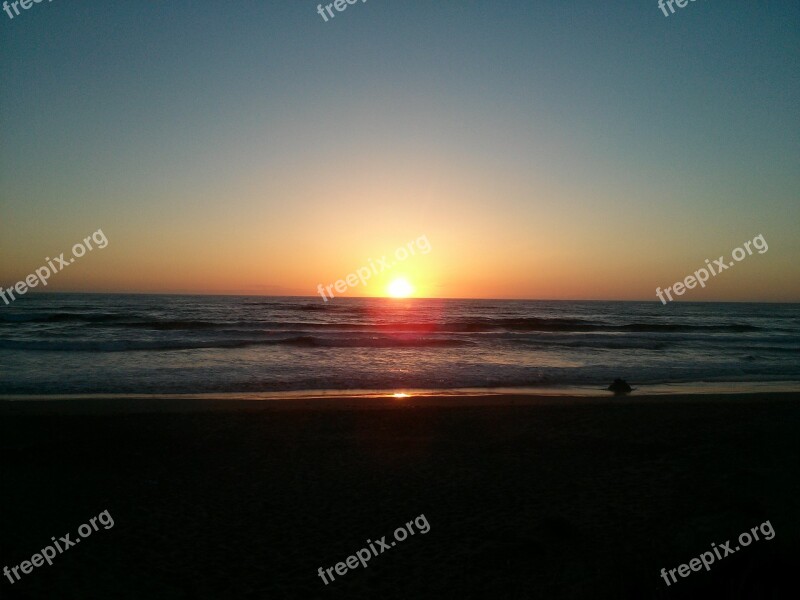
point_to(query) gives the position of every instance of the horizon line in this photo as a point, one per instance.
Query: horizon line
(51, 293)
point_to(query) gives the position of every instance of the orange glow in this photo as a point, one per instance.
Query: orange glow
(400, 288)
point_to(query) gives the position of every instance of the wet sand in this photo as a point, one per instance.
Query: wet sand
(527, 497)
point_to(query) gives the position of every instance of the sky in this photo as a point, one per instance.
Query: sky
(546, 149)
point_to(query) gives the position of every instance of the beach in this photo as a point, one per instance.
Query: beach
(526, 496)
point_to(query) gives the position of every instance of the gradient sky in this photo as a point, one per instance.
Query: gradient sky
(547, 149)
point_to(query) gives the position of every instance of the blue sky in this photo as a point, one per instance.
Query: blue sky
(228, 146)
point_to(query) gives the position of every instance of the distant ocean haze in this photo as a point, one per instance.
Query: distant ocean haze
(139, 344)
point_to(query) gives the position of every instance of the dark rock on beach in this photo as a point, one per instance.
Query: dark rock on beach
(620, 386)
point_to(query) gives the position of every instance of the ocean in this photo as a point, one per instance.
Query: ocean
(82, 344)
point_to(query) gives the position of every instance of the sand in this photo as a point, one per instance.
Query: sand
(527, 497)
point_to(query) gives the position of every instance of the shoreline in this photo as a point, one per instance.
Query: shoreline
(106, 404)
(554, 391)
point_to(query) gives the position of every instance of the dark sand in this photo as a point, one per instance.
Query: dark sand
(526, 497)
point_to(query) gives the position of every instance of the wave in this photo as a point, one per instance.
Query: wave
(313, 307)
(62, 317)
(522, 325)
(168, 345)
(466, 325)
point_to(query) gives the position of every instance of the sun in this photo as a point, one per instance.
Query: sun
(400, 288)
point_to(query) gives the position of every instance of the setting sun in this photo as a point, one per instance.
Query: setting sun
(400, 288)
